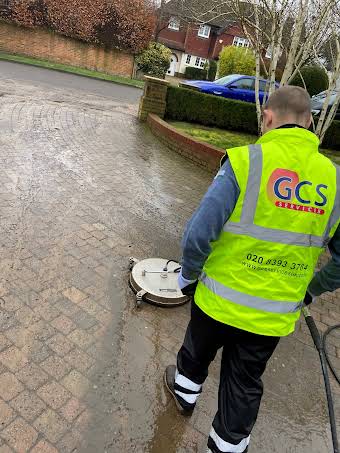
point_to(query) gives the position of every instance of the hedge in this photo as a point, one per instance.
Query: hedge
(212, 70)
(314, 77)
(332, 137)
(194, 107)
(195, 73)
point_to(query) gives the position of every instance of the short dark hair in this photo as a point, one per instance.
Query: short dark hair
(290, 101)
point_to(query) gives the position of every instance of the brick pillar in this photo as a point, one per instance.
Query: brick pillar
(154, 98)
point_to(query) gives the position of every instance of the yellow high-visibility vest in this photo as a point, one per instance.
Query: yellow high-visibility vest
(259, 269)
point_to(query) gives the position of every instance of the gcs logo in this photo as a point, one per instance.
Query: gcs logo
(285, 186)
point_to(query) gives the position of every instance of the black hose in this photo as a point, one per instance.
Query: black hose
(320, 342)
(331, 412)
(167, 264)
(324, 343)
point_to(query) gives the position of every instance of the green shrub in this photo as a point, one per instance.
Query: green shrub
(315, 78)
(194, 107)
(155, 60)
(332, 137)
(195, 73)
(212, 70)
(236, 60)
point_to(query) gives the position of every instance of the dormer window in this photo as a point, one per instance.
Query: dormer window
(174, 24)
(204, 31)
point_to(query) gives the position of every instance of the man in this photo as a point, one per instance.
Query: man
(252, 246)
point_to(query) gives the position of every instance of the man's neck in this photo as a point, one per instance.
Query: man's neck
(290, 125)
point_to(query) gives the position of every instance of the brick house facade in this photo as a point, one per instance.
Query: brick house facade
(194, 45)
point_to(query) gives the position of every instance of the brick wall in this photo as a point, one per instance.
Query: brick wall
(56, 48)
(227, 39)
(203, 154)
(195, 45)
(173, 35)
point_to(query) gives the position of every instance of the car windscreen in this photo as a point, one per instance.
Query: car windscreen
(317, 101)
(225, 80)
(322, 96)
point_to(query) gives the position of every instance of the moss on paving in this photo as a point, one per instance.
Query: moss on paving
(229, 139)
(71, 69)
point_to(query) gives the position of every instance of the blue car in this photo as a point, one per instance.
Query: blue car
(234, 86)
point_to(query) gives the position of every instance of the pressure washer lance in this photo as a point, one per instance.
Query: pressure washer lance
(320, 344)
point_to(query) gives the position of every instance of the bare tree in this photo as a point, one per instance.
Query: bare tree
(292, 31)
(327, 115)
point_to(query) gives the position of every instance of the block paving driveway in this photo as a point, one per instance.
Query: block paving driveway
(83, 186)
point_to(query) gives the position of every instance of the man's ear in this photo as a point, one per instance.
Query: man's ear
(267, 119)
(309, 122)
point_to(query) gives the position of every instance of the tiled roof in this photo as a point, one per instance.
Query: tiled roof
(197, 10)
(172, 44)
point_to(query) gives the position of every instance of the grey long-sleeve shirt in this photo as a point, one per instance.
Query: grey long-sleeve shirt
(208, 221)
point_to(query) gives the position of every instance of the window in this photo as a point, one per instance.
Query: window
(4, 3)
(269, 53)
(188, 59)
(263, 85)
(204, 31)
(241, 42)
(200, 62)
(225, 80)
(174, 24)
(244, 84)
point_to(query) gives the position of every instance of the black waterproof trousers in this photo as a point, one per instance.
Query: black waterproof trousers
(244, 359)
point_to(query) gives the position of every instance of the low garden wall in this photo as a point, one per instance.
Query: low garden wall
(201, 153)
(50, 46)
(181, 104)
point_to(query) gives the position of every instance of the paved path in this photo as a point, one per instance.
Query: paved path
(83, 186)
(50, 78)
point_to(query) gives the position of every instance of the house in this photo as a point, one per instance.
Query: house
(194, 44)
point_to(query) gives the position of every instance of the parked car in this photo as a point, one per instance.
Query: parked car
(234, 86)
(319, 99)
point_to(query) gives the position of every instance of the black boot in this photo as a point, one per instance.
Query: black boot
(169, 379)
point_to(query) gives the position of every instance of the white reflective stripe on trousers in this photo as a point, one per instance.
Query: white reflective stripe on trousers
(259, 303)
(190, 398)
(187, 383)
(226, 447)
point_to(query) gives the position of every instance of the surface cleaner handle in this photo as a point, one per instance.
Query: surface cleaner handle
(312, 328)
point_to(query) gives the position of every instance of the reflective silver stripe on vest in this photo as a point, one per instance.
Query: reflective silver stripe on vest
(236, 297)
(274, 235)
(253, 184)
(334, 217)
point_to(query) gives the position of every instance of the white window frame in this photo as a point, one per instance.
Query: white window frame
(188, 57)
(204, 31)
(269, 53)
(241, 42)
(200, 62)
(174, 24)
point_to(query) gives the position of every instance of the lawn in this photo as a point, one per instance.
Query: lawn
(218, 137)
(229, 139)
(71, 69)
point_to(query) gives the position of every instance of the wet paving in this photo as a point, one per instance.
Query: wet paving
(83, 187)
